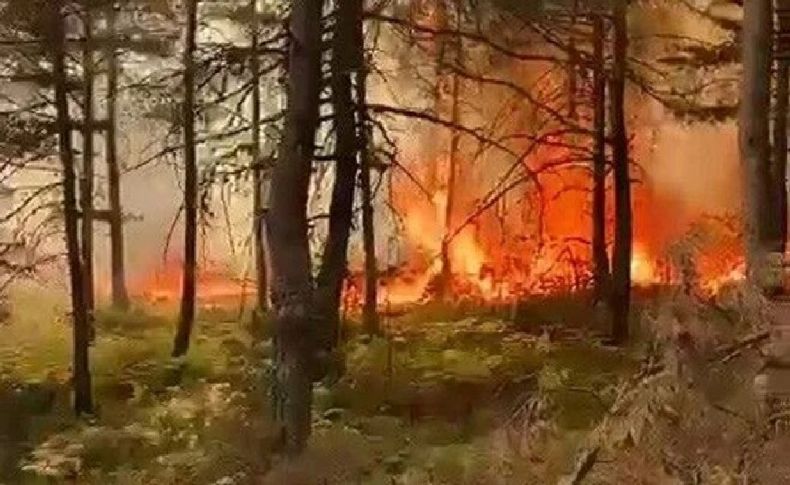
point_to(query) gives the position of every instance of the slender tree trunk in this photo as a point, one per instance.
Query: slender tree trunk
(779, 162)
(120, 295)
(86, 185)
(601, 269)
(446, 278)
(370, 316)
(286, 228)
(623, 237)
(754, 136)
(346, 59)
(449, 208)
(258, 210)
(573, 79)
(188, 290)
(83, 400)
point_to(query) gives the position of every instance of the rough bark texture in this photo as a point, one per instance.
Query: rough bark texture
(286, 228)
(120, 295)
(601, 269)
(346, 60)
(754, 135)
(188, 289)
(87, 180)
(258, 210)
(623, 231)
(83, 400)
(779, 161)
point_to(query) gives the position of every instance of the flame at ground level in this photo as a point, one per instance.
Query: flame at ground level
(215, 286)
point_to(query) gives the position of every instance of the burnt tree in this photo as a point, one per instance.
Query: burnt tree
(188, 290)
(286, 230)
(601, 269)
(258, 210)
(83, 399)
(120, 294)
(346, 60)
(754, 133)
(88, 175)
(620, 296)
(782, 91)
(370, 317)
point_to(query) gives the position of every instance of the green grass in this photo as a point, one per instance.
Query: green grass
(426, 400)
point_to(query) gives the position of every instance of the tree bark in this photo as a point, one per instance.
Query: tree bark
(601, 269)
(346, 60)
(623, 237)
(779, 162)
(573, 59)
(83, 399)
(754, 137)
(370, 316)
(120, 295)
(188, 290)
(446, 278)
(286, 228)
(258, 171)
(86, 184)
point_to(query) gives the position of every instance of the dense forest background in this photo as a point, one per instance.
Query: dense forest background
(396, 241)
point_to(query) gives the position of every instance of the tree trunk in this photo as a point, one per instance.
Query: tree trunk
(623, 237)
(601, 271)
(779, 162)
(446, 278)
(754, 136)
(446, 281)
(286, 230)
(258, 211)
(346, 59)
(120, 295)
(370, 317)
(188, 290)
(573, 59)
(83, 400)
(86, 185)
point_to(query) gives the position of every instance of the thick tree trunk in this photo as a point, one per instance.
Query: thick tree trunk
(286, 228)
(346, 60)
(86, 184)
(188, 289)
(120, 295)
(258, 210)
(779, 162)
(83, 399)
(754, 137)
(623, 237)
(601, 270)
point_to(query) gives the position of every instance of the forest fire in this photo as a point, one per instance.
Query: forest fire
(501, 255)
(215, 287)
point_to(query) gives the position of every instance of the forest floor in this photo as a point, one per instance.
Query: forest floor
(448, 395)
